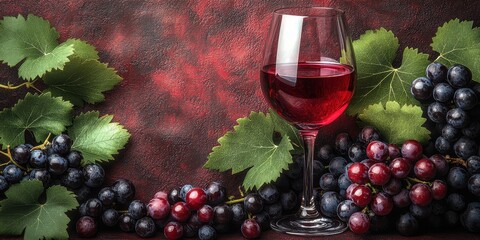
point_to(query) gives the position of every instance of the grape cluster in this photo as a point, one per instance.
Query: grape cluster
(452, 99)
(52, 163)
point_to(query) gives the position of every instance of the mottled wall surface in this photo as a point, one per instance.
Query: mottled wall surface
(191, 68)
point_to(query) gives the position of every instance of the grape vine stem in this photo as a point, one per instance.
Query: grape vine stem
(419, 181)
(27, 84)
(44, 144)
(454, 160)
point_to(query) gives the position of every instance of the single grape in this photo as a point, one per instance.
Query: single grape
(126, 223)
(451, 218)
(343, 141)
(251, 229)
(443, 92)
(124, 191)
(207, 232)
(441, 165)
(465, 98)
(393, 151)
(425, 169)
(253, 203)
(325, 153)
(420, 212)
(420, 194)
(459, 76)
(465, 147)
(457, 178)
(346, 208)
(356, 152)
(86, 227)
(344, 181)
(21, 154)
(400, 167)
(377, 151)
(263, 220)
(57, 165)
(379, 174)
(158, 208)
(110, 217)
(393, 186)
(289, 200)
(348, 192)
(436, 112)
(442, 145)
(205, 214)
(456, 202)
(12, 174)
(359, 223)
(450, 133)
(269, 193)
(381, 204)
(174, 195)
(472, 130)
(358, 173)
(368, 134)
(137, 209)
(83, 193)
(74, 158)
(473, 164)
(73, 178)
(458, 118)
(337, 166)
(474, 184)
(412, 150)
(93, 207)
(161, 194)
(184, 190)
(402, 199)
(196, 198)
(40, 174)
(238, 211)
(38, 158)
(194, 221)
(439, 189)
(145, 227)
(106, 195)
(329, 202)
(274, 210)
(361, 195)
(437, 72)
(3, 184)
(180, 212)
(61, 144)
(422, 88)
(223, 214)
(408, 225)
(328, 182)
(94, 175)
(470, 219)
(295, 170)
(174, 230)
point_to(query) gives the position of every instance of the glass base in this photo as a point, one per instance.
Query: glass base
(320, 226)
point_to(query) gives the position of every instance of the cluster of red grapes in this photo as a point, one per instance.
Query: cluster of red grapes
(382, 185)
(452, 99)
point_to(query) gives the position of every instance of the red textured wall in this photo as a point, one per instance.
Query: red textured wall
(190, 68)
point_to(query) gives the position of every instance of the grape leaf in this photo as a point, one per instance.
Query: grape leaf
(32, 40)
(251, 146)
(82, 49)
(458, 42)
(377, 79)
(40, 114)
(97, 137)
(284, 127)
(397, 123)
(22, 211)
(82, 80)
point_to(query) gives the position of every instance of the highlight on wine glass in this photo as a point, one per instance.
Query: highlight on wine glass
(308, 77)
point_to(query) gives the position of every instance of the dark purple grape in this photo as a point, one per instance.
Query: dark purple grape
(450, 133)
(110, 217)
(269, 193)
(393, 187)
(442, 145)
(474, 185)
(3, 184)
(86, 227)
(40, 174)
(184, 190)
(457, 178)
(126, 223)
(456, 202)
(368, 134)
(443, 92)
(137, 209)
(473, 164)
(74, 158)
(216, 194)
(329, 202)
(420, 212)
(145, 227)
(61, 144)
(253, 203)
(239, 214)
(207, 232)
(465, 98)
(289, 200)
(328, 182)
(174, 196)
(346, 208)
(124, 191)
(437, 72)
(57, 165)
(21, 154)
(107, 196)
(343, 142)
(326, 153)
(402, 199)
(223, 214)
(472, 130)
(470, 219)
(38, 158)
(94, 175)
(93, 207)
(457, 118)
(459, 76)
(422, 88)
(274, 210)
(465, 147)
(337, 166)
(73, 178)
(356, 152)
(263, 220)
(408, 225)
(437, 111)
(12, 173)
(440, 164)
(83, 193)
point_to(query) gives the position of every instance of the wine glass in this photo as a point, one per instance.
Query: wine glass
(308, 77)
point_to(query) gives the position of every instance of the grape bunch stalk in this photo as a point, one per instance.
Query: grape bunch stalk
(453, 106)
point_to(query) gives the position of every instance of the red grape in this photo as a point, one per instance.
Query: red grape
(161, 194)
(361, 195)
(401, 199)
(420, 194)
(393, 186)
(412, 150)
(439, 189)
(425, 169)
(348, 192)
(368, 162)
(158, 208)
(379, 174)
(86, 226)
(358, 173)
(250, 229)
(205, 214)
(196, 198)
(400, 167)
(180, 212)
(377, 151)
(393, 151)
(359, 223)
(381, 204)
(440, 164)
(173, 230)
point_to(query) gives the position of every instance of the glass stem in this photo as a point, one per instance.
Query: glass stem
(308, 209)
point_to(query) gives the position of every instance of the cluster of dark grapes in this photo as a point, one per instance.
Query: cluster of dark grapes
(52, 164)
(372, 186)
(452, 99)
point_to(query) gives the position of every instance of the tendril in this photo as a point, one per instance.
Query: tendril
(44, 144)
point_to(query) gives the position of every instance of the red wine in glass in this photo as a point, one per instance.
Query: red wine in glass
(309, 95)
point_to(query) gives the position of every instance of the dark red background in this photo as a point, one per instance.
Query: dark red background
(191, 68)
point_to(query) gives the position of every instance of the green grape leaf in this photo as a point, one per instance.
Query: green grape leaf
(82, 80)
(458, 42)
(283, 127)
(32, 40)
(97, 137)
(40, 114)
(377, 79)
(23, 212)
(82, 49)
(252, 146)
(397, 123)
